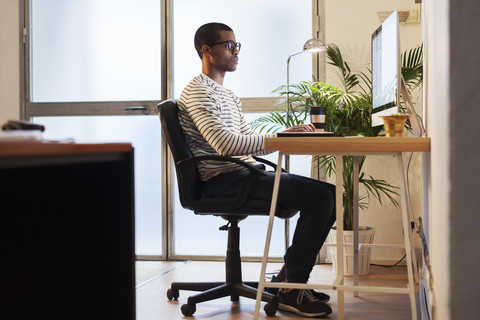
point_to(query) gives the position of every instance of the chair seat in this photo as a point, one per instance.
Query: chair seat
(250, 208)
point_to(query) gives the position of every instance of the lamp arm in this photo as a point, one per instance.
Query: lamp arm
(288, 88)
(287, 118)
(311, 45)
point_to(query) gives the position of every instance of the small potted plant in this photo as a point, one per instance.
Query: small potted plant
(348, 113)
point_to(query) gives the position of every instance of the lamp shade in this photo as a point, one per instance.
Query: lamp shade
(314, 45)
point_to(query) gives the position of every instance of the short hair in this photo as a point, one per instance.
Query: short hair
(208, 34)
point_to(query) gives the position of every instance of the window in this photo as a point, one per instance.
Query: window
(280, 29)
(93, 58)
(270, 33)
(94, 70)
(144, 134)
(95, 50)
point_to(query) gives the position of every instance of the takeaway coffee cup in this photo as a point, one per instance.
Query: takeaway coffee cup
(317, 118)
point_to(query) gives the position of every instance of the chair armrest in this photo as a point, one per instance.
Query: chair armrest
(268, 162)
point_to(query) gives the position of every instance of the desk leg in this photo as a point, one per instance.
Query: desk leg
(355, 222)
(407, 236)
(273, 206)
(340, 247)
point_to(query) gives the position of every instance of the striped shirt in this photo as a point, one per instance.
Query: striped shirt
(211, 118)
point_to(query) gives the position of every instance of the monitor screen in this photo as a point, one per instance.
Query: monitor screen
(385, 69)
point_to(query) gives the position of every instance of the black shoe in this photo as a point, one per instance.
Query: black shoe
(319, 295)
(302, 302)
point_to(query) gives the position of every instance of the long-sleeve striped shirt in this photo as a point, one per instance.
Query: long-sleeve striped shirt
(212, 120)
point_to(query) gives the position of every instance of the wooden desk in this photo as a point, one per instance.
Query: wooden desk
(67, 238)
(339, 147)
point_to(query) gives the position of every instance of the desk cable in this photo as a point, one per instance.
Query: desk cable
(419, 229)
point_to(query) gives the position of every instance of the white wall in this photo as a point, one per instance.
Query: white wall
(350, 24)
(9, 61)
(437, 82)
(453, 95)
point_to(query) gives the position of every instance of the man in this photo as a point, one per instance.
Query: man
(213, 123)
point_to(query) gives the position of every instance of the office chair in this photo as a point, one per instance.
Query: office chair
(231, 209)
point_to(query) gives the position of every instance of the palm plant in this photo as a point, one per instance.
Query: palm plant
(348, 112)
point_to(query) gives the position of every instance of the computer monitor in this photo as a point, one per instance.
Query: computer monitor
(387, 81)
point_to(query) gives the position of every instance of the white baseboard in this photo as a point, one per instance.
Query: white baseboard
(380, 262)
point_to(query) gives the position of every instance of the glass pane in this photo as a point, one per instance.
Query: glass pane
(269, 30)
(95, 50)
(144, 134)
(199, 235)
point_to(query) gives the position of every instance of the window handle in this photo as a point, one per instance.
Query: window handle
(145, 109)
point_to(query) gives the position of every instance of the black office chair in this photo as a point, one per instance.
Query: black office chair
(231, 209)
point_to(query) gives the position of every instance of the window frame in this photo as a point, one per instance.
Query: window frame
(29, 109)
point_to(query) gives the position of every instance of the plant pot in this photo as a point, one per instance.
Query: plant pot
(365, 235)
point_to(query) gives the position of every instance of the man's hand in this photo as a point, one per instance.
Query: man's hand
(301, 128)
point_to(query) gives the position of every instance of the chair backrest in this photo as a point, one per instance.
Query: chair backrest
(188, 178)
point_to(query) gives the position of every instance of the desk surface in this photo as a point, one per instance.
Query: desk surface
(32, 148)
(346, 145)
(36, 153)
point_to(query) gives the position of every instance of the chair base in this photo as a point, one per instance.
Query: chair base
(235, 291)
(233, 286)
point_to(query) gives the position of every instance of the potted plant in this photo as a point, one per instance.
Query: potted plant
(348, 113)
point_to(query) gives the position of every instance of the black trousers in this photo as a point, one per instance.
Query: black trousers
(314, 199)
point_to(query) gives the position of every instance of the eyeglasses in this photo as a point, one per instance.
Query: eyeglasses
(231, 45)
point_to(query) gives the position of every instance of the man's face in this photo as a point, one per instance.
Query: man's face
(222, 58)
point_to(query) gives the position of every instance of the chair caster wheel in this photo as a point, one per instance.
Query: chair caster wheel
(270, 309)
(188, 309)
(172, 294)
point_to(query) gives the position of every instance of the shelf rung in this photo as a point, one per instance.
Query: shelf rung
(378, 245)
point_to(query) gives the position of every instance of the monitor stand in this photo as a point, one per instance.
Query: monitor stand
(414, 121)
